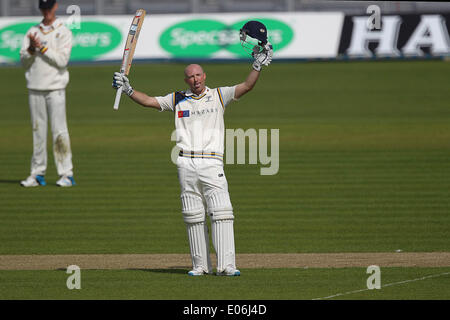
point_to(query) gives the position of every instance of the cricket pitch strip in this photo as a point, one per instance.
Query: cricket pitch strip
(243, 260)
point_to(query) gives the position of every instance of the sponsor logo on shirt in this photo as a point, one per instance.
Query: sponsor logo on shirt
(183, 114)
(202, 112)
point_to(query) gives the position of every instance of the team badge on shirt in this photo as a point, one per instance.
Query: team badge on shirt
(183, 114)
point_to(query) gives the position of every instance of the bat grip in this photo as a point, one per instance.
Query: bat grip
(117, 101)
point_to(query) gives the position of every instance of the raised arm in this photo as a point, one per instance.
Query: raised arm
(145, 100)
(247, 85)
(141, 98)
(261, 59)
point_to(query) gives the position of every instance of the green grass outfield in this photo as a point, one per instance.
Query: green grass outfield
(364, 167)
(254, 284)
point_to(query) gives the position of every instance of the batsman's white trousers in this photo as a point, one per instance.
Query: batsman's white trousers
(51, 105)
(204, 179)
(204, 187)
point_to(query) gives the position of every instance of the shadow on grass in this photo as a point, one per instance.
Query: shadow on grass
(9, 181)
(174, 270)
(170, 270)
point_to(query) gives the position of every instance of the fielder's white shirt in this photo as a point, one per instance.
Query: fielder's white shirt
(48, 70)
(199, 119)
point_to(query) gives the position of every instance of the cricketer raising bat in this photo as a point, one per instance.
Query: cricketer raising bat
(130, 47)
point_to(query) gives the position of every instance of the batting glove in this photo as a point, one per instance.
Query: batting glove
(120, 80)
(264, 57)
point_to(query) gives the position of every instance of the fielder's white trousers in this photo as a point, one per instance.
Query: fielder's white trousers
(45, 105)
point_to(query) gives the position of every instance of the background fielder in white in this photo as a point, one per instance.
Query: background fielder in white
(45, 54)
(198, 114)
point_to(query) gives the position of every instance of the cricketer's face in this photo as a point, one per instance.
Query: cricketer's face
(195, 78)
(49, 14)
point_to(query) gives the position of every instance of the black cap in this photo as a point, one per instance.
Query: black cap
(46, 4)
(256, 30)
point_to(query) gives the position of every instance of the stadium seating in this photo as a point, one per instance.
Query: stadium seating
(253, 5)
(21, 8)
(112, 7)
(161, 6)
(88, 7)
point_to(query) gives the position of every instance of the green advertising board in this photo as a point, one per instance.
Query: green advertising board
(90, 41)
(202, 37)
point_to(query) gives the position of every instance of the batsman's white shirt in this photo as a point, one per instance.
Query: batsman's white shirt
(199, 118)
(48, 70)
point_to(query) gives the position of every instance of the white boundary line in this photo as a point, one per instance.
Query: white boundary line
(384, 286)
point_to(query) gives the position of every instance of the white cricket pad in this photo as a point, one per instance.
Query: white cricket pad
(199, 245)
(223, 242)
(192, 208)
(219, 206)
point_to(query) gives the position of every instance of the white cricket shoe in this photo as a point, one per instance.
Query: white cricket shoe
(65, 182)
(33, 181)
(229, 271)
(197, 272)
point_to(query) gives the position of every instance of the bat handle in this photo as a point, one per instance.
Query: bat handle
(117, 101)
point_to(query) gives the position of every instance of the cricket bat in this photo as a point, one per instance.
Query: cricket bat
(130, 47)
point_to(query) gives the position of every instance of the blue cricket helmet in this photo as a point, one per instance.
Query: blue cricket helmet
(255, 30)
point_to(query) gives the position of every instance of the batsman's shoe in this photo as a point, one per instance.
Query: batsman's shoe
(197, 272)
(229, 271)
(33, 181)
(65, 182)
